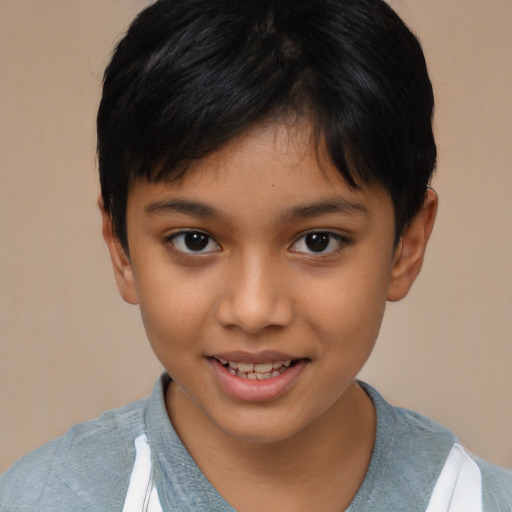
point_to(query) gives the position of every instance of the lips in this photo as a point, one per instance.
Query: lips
(256, 378)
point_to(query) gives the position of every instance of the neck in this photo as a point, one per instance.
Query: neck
(323, 464)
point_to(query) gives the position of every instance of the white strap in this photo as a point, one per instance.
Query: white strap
(142, 495)
(459, 486)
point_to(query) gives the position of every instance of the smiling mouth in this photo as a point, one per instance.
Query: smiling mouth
(256, 371)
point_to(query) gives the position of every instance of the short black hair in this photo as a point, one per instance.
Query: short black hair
(190, 75)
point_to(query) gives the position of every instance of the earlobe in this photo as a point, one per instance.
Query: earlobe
(121, 262)
(410, 251)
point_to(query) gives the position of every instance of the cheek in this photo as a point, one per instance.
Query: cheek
(348, 306)
(174, 311)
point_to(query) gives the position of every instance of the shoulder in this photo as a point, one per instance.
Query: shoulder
(496, 487)
(408, 433)
(85, 469)
(410, 454)
(496, 481)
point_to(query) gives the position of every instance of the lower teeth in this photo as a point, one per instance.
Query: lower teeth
(257, 376)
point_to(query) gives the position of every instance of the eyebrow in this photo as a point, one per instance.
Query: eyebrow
(304, 211)
(192, 208)
(335, 205)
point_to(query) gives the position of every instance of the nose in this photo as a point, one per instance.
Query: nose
(255, 296)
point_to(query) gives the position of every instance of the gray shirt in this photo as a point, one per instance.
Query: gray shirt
(89, 468)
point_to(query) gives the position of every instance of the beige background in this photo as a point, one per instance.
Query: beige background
(70, 348)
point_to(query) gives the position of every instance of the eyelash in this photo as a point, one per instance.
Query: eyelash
(204, 240)
(321, 237)
(201, 236)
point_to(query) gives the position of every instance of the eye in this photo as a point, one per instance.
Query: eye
(319, 242)
(193, 242)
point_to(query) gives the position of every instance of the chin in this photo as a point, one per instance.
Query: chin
(260, 427)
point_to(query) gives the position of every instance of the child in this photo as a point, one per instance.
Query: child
(264, 168)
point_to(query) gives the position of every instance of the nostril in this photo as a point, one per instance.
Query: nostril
(253, 314)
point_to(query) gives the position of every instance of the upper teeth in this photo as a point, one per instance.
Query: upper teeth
(255, 367)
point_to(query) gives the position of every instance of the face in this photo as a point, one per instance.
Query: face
(262, 280)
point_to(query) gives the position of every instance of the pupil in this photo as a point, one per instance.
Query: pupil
(196, 241)
(317, 242)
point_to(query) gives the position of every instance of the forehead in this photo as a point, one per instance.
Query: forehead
(271, 168)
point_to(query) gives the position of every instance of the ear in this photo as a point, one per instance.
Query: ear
(120, 260)
(410, 251)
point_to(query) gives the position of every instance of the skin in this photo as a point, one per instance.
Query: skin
(257, 293)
